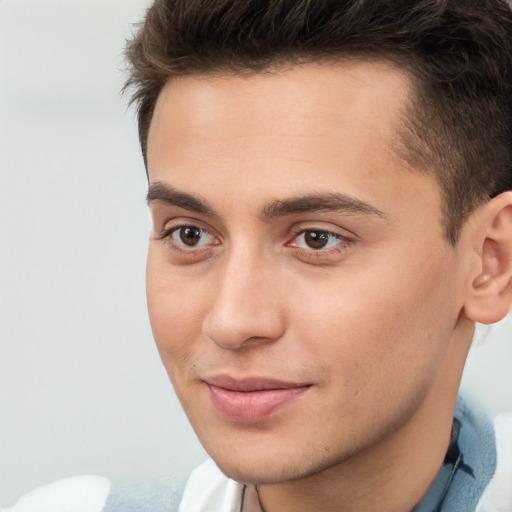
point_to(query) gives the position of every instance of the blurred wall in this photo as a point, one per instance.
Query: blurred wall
(81, 387)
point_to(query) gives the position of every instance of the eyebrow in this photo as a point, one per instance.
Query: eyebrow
(322, 202)
(160, 192)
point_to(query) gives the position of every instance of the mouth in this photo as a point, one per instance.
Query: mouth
(250, 400)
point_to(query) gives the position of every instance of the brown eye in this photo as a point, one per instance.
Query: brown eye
(316, 239)
(188, 238)
(190, 235)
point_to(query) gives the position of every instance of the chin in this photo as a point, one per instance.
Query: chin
(258, 474)
(276, 467)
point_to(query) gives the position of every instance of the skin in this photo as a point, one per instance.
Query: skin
(374, 323)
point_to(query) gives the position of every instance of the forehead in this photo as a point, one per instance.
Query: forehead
(312, 99)
(284, 132)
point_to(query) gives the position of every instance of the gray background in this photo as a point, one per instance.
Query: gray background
(81, 387)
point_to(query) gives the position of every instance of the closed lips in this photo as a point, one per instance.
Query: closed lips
(251, 400)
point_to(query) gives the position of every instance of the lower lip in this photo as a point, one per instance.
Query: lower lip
(251, 406)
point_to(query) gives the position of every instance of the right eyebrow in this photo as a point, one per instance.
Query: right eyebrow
(159, 192)
(320, 202)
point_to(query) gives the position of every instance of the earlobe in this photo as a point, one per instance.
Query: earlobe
(490, 294)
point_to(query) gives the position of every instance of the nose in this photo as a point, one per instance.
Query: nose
(245, 309)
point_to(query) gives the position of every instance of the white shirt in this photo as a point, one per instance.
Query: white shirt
(209, 490)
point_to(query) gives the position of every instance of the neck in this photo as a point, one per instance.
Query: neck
(393, 474)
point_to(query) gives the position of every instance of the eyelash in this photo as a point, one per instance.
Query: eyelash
(340, 246)
(168, 235)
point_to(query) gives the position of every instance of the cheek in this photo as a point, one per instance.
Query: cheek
(380, 327)
(176, 312)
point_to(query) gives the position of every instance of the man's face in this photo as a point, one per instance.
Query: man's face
(301, 293)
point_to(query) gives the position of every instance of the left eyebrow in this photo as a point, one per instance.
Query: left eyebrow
(320, 203)
(160, 192)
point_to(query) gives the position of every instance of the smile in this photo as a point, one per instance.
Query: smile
(251, 400)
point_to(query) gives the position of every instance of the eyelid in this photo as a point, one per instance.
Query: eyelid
(345, 240)
(175, 238)
(173, 225)
(177, 222)
(329, 228)
(335, 236)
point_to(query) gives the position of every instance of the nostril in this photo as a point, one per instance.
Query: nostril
(233, 330)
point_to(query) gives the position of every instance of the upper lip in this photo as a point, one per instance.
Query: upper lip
(246, 384)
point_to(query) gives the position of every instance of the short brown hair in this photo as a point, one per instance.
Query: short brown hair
(458, 53)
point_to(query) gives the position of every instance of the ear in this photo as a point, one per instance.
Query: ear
(490, 284)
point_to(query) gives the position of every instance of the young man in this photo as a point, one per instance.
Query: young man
(331, 190)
